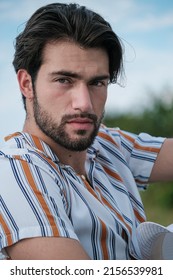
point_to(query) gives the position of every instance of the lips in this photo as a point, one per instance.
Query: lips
(81, 123)
(80, 120)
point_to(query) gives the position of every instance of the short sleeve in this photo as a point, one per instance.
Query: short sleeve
(31, 204)
(141, 152)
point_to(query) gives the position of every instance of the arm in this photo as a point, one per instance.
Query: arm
(163, 167)
(61, 241)
(47, 248)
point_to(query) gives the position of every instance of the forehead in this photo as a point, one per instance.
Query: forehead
(70, 55)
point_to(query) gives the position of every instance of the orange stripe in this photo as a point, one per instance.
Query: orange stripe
(129, 138)
(49, 160)
(103, 240)
(117, 214)
(148, 149)
(12, 135)
(17, 157)
(139, 147)
(90, 189)
(37, 143)
(7, 230)
(103, 226)
(138, 216)
(39, 196)
(107, 137)
(113, 174)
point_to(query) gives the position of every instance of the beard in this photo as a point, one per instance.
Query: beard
(57, 132)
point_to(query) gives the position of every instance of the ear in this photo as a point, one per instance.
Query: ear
(25, 83)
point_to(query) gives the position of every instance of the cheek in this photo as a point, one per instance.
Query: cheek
(99, 102)
(50, 98)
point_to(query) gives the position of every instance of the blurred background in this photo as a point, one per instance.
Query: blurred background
(143, 99)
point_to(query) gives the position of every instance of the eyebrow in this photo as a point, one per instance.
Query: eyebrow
(78, 76)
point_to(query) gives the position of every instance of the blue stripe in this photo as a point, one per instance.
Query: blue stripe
(114, 152)
(61, 222)
(11, 221)
(21, 184)
(143, 157)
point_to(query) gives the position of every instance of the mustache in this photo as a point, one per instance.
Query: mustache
(67, 118)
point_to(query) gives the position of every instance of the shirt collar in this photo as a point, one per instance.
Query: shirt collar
(26, 140)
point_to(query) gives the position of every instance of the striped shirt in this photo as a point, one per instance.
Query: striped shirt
(39, 196)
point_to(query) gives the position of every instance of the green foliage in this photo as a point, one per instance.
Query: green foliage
(158, 203)
(156, 120)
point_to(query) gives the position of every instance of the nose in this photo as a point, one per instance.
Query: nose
(81, 99)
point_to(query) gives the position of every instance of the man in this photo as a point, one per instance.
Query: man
(69, 185)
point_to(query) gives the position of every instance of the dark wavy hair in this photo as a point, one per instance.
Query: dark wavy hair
(73, 22)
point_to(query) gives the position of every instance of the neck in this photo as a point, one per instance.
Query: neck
(74, 159)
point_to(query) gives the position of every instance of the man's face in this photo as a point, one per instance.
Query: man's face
(70, 94)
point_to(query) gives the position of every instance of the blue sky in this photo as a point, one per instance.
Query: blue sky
(146, 29)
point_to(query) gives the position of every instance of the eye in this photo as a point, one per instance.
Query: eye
(98, 83)
(62, 80)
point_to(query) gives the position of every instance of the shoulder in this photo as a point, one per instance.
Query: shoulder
(118, 136)
(110, 135)
(116, 141)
